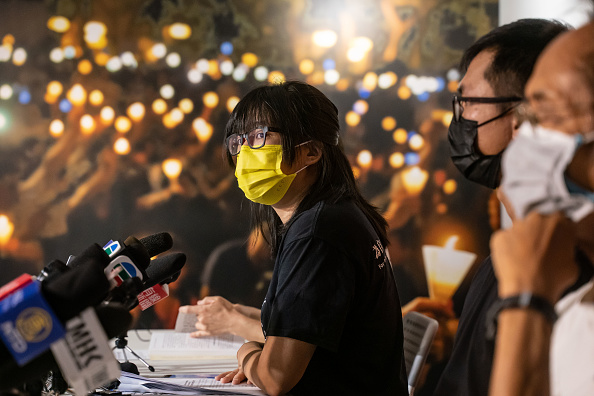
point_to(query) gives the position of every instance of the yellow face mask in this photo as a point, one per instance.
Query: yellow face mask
(259, 174)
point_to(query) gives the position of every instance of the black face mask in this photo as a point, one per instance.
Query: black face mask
(475, 166)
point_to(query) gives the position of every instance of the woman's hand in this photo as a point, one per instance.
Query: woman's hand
(235, 377)
(215, 315)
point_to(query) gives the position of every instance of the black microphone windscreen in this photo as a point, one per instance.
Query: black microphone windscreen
(90, 254)
(157, 243)
(75, 290)
(162, 268)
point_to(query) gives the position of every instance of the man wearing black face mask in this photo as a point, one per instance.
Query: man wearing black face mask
(496, 69)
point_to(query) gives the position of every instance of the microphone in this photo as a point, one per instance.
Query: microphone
(157, 243)
(161, 271)
(114, 318)
(164, 269)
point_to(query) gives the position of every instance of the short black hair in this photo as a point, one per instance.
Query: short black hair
(516, 45)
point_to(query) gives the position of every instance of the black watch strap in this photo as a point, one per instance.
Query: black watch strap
(525, 300)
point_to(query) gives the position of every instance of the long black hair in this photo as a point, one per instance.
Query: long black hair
(302, 113)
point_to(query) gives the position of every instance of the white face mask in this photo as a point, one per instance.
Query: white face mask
(533, 167)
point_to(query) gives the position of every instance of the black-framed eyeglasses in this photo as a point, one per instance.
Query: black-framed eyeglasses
(458, 109)
(256, 138)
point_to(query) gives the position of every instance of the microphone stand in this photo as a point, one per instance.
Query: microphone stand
(122, 343)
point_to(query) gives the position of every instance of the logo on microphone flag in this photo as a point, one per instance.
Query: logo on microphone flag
(120, 269)
(112, 247)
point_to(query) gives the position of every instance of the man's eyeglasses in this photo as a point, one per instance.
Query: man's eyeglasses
(458, 109)
(256, 138)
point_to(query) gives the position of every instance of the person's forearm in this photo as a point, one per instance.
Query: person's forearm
(247, 327)
(250, 312)
(521, 363)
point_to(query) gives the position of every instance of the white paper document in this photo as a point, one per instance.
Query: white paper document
(180, 346)
(189, 385)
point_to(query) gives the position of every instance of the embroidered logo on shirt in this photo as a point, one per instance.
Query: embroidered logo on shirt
(378, 250)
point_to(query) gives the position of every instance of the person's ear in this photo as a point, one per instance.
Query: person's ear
(520, 115)
(313, 153)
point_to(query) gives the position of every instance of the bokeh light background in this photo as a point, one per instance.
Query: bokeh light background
(112, 115)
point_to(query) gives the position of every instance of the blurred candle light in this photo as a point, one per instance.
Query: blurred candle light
(128, 59)
(388, 123)
(173, 59)
(414, 180)
(202, 129)
(87, 124)
(96, 97)
(306, 66)
(360, 107)
(114, 64)
(240, 72)
(370, 81)
(94, 30)
(122, 124)
(168, 121)
(213, 68)
(325, 38)
(19, 57)
(331, 77)
(404, 92)
(363, 43)
(352, 118)
(210, 99)
(249, 59)
(6, 52)
(77, 95)
(167, 91)
(364, 159)
(56, 55)
(69, 52)
(445, 268)
(416, 142)
(195, 76)
(231, 103)
(54, 88)
(177, 115)
(56, 128)
(276, 77)
(6, 91)
(58, 24)
(159, 106)
(101, 58)
(396, 160)
(203, 65)
(121, 146)
(158, 50)
(261, 73)
(180, 31)
(450, 186)
(186, 105)
(447, 118)
(387, 80)
(172, 167)
(85, 67)
(226, 67)
(6, 229)
(107, 115)
(400, 136)
(136, 111)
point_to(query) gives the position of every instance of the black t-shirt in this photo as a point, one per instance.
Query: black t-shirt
(469, 368)
(333, 287)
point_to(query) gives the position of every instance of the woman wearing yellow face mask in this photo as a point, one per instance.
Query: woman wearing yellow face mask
(331, 318)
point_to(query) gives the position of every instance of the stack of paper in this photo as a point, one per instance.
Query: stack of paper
(180, 346)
